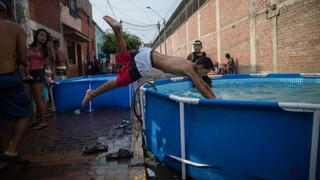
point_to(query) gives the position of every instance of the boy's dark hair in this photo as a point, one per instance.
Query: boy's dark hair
(205, 62)
(228, 55)
(207, 80)
(44, 49)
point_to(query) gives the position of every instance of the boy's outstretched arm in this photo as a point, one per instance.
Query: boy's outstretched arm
(201, 86)
(107, 86)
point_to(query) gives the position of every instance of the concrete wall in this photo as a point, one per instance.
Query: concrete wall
(99, 39)
(70, 20)
(46, 13)
(285, 38)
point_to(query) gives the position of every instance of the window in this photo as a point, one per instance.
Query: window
(72, 5)
(9, 11)
(71, 52)
(88, 20)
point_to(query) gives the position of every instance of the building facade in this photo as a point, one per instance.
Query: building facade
(68, 22)
(79, 36)
(280, 36)
(99, 43)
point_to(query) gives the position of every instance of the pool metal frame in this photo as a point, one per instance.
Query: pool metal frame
(304, 107)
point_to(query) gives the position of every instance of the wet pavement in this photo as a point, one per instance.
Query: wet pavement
(56, 152)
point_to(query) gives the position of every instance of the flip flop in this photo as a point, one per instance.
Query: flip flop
(33, 124)
(40, 126)
(95, 148)
(14, 159)
(121, 154)
(4, 166)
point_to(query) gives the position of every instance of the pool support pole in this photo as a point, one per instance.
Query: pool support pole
(90, 110)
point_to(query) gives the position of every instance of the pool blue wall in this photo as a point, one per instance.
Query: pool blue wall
(69, 93)
(241, 140)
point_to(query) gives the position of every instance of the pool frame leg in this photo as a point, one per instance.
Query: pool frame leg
(314, 145)
(182, 139)
(90, 102)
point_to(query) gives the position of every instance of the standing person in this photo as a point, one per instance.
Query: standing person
(137, 63)
(197, 53)
(14, 101)
(96, 65)
(108, 67)
(90, 70)
(40, 52)
(230, 67)
(61, 64)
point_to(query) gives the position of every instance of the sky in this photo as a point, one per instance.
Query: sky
(137, 18)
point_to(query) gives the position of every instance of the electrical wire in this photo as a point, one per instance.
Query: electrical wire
(140, 25)
(111, 9)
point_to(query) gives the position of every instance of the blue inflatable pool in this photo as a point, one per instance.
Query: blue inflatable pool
(68, 93)
(234, 139)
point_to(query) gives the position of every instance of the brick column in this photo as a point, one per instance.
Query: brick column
(218, 31)
(253, 61)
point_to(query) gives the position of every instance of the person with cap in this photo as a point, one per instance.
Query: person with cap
(14, 101)
(197, 53)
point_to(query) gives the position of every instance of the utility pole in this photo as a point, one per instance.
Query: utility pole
(165, 36)
(159, 39)
(164, 30)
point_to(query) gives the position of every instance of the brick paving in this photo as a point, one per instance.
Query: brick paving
(56, 152)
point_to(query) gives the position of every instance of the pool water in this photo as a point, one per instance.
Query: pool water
(252, 90)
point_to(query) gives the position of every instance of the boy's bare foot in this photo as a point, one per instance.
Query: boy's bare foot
(88, 97)
(112, 22)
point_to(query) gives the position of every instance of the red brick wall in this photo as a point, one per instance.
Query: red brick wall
(85, 29)
(210, 47)
(264, 44)
(299, 37)
(89, 31)
(169, 46)
(193, 27)
(208, 20)
(235, 41)
(232, 10)
(45, 13)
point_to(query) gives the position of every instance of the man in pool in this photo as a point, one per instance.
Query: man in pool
(137, 63)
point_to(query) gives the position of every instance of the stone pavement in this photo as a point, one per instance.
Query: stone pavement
(56, 152)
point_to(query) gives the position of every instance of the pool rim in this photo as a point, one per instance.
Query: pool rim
(293, 106)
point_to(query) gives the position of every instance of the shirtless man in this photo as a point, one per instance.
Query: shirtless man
(14, 101)
(137, 63)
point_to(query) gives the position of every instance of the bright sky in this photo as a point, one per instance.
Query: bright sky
(138, 20)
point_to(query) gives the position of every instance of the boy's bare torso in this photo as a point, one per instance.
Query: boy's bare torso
(10, 46)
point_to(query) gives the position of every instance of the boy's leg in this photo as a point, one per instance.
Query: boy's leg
(117, 28)
(20, 128)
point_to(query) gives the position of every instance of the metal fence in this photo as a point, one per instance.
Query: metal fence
(185, 9)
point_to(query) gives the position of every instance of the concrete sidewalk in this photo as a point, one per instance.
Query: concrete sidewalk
(56, 152)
